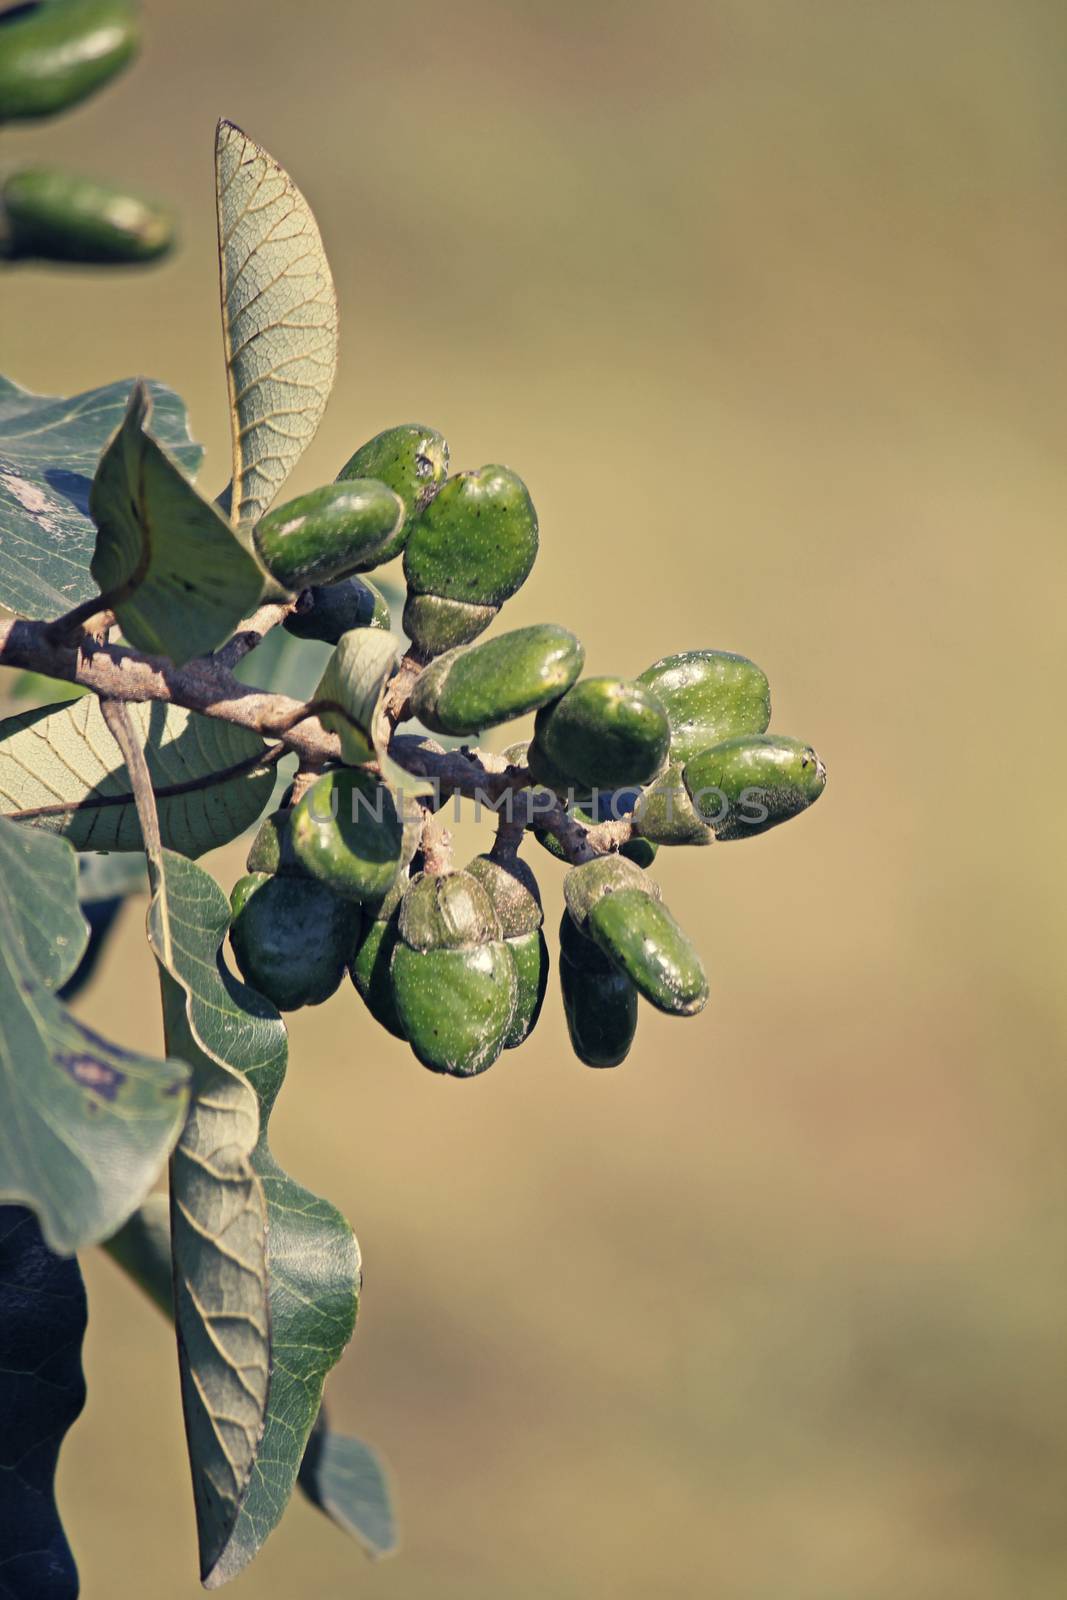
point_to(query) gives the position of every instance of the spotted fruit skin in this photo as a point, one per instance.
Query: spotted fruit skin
(512, 888)
(605, 733)
(483, 685)
(328, 534)
(348, 832)
(709, 695)
(638, 934)
(413, 461)
(744, 787)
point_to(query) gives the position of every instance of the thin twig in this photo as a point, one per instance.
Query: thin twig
(117, 717)
(252, 633)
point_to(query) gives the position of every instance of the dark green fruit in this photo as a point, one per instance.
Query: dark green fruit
(50, 215)
(334, 609)
(413, 461)
(292, 938)
(512, 888)
(453, 975)
(55, 54)
(599, 1001)
(605, 733)
(348, 832)
(585, 885)
(328, 534)
(468, 552)
(709, 696)
(369, 967)
(481, 685)
(665, 813)
(272, 848)
(745, 786)
(638, 934)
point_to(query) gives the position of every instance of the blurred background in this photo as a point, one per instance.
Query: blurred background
(765, 300)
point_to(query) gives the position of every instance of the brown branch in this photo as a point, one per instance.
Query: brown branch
(117, 718)
(251, 633)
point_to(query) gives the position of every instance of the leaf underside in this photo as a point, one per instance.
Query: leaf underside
(61, 770)
(84, 1125)
(42, 1391)
(49, 449)
(279, 318)
(177, 577)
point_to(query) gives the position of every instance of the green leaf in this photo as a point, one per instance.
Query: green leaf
(346, 1480)
(107, 877)
(354, 683)
(340, 1475)
(279, 318)
(61, 771)
(84, 1125)
(250, 1366)
(49, 449)
(167, 560)
(42, 1391)
(218, 1210)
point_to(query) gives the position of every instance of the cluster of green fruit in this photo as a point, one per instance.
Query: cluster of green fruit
(455, 962)
(53, 55)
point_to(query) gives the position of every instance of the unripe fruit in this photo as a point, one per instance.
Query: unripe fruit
(512, 888)
(453, 975)
(665, 814)
(468, 552)
(348, 832)
(54, 55)
(336, 608)
(59, 216)
(608, 807)
(709, 696)
(369, 967)
(745, 786)
(326, 535)
(291, 937)
(481, 685)
(599, 1001)
(640, 936)
(585, 885)
(272, 848)
(413, 461)
(605, 733)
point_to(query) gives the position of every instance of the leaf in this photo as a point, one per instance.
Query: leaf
(84, 1125)
(49, 449)
(338, 1474)
(346, 1480)
(167, 560)
(260, 1365)
(355, 681)
(218, 1207)
(279, 318)
(105, 877)
(42, 1391)
(61, 771)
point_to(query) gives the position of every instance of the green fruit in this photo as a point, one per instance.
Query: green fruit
(512, 888)
(585, 885)
(334, 609)
(641, 937)
(59, 216)
(469, 550)
(599, 1001)
(413, 461)
(348, 832)
(369, 967)
(272, 848)
(292, 938)
(745, 786)
(433, 624)
(453, 975)
(479, 686)
(605, 732)
(709, 696)
(328, 534)
(55, 54)
(665, 813)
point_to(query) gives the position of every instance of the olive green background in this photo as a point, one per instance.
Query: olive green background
(765, 300)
